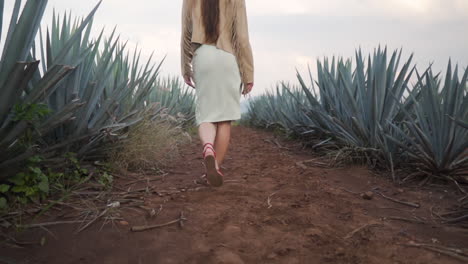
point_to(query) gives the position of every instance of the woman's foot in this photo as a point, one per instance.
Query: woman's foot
(213, 175)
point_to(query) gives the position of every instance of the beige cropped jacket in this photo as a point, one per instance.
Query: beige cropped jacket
(233, 37)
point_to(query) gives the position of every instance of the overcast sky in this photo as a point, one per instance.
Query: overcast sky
(289, 34)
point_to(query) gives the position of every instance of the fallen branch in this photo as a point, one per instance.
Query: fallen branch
(276, 143)
(144, 228)
(406, 220)
(49, 224)
(397, 209)
(18, 243)
(92, 221)
(415, 205)
(456, 220)
(351, 234)
(463, 198)
(348, 191)
(452, 252)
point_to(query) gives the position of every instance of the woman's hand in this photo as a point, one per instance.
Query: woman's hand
(247, 88)
(188, 81)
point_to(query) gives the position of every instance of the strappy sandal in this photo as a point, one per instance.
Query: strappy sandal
(213, 175)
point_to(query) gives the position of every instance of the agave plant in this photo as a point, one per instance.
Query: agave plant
(112, 86)
(21, 84)
(436, 144)
(174, 96)
(357, 105)
(88, 90)
(280, 108)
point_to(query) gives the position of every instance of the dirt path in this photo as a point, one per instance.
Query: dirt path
(269, 211)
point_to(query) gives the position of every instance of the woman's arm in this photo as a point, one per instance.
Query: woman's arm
(186, 41)
(243, 44)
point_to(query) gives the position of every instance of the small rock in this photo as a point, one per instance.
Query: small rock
(284, 251)
(272, 256)
(313, 232)
(124, 223)
(152, 213)
(367, 195)
(232, 231)
(340, 251)
(114, 205)
(43, 241)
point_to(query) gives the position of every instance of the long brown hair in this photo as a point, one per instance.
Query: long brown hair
(210, 14)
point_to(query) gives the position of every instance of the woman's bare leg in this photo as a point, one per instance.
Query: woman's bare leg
(207, 134)
(223, 136)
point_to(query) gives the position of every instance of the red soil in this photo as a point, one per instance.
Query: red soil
(269, 211)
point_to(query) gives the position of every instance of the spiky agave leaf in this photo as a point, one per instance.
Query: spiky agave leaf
(356, 105)
(431, 137)
(20, 81)
(174, 96)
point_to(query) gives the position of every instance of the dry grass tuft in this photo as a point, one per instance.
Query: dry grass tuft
(149, 146)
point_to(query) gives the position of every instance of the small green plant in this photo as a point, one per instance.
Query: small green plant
(106, 179)
(33, 114)
(76, 170)
(4, 188)
(36, 183)
(32, 184)
(30, 112)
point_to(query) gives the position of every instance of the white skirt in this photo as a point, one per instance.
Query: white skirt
(217, 84)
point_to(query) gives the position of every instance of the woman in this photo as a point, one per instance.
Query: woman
(217, 61)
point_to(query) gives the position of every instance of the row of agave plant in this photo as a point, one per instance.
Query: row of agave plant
(394, 116)
(65, 91)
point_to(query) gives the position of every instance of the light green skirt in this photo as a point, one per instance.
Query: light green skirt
(217, 84)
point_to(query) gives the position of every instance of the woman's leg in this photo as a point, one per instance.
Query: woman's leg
(207, 134)
(223, 136)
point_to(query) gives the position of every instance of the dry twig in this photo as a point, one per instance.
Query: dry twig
(275, 142)
(415, 205)
(92, 221)
(269, 200)
(144, 228)
(417, 221)
(351, 234)
(49, 224)
(459, 254)
(456, 220)
(348, 191)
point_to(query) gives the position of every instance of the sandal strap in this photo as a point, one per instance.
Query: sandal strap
(205, 147)
(204, 152)
(210, 145)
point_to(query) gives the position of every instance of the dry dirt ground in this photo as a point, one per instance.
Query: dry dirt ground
(270, 210)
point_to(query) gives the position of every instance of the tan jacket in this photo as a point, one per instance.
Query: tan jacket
(233, 38)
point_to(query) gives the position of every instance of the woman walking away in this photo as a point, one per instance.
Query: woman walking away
(217, 61)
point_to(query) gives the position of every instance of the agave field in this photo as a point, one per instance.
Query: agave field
(378, 110)
(65, 91)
